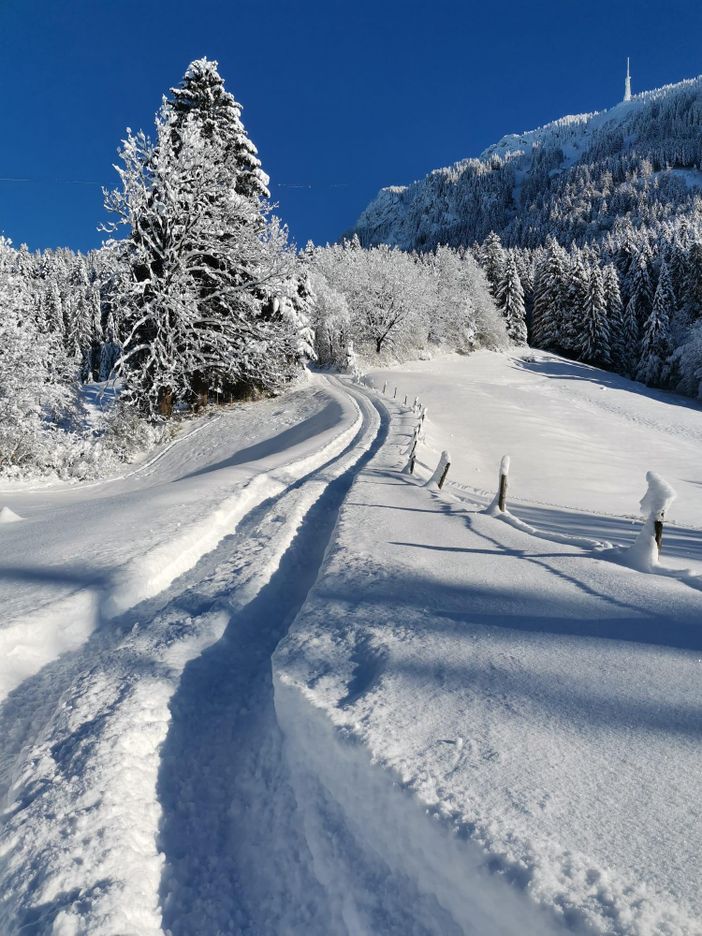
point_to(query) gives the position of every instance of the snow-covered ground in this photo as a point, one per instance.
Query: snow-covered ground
(269, 684)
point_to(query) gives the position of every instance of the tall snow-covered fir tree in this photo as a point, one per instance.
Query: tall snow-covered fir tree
(509, 296)
(655, 344)
(202, 310)
(550, 299)
(201, 100)
(493, 260)
(615, 316)
(594, 337)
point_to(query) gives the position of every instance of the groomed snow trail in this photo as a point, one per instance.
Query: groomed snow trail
(79, 846)
(236, 856)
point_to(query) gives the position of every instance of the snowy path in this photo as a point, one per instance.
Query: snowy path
(80, 757)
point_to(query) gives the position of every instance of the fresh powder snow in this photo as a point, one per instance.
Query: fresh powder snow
(268, 682)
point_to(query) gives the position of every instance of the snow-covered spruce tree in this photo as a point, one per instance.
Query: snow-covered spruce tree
(550, 299)
(578, 282)
(203, 309)
(632, 338)
(492, 257)
(692, 281)
(615, 316)
(509, 296)
(593, 344)
(655, 344)
(687, 361)
(202, 101)
(641, 290)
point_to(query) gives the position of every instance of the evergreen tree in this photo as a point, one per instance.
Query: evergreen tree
(202, 309)
(202, 101)
(655, 345)
(692, 284)
(594, 339)
(641, 290)
(632, 338)
(615, 316)
(571, 336)
(509, 296)
(550, 299)
(493, 261)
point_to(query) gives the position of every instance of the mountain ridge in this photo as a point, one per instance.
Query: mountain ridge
(578, 161)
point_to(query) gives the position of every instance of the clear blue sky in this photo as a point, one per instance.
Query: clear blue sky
(341, 98)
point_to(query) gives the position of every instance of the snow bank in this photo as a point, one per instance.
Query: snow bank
(9, 516)
(387, 864)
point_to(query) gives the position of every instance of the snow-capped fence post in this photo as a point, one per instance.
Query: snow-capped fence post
(654, 504)
(504, 474)
(415, 404)
(440, 471)
(447, 464)
(409, 467)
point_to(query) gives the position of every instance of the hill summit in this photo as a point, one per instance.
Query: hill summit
(573, 179)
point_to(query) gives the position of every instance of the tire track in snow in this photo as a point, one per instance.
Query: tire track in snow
(236, 856)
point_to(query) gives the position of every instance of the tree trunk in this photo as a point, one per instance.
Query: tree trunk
(165, 402)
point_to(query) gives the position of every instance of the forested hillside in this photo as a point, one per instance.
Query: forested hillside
(601, 218)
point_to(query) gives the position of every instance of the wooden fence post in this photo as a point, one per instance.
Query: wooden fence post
(440, 471)
(658, 531)
(504, 472)
(385, 387)
(442, 478)
(405, 403)
(394, 396)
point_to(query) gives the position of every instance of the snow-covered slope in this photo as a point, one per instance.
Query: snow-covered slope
(309, 694)
(539, 701)
(571, 178)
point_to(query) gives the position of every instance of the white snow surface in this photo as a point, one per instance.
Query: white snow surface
(267, 683)
(544, 703)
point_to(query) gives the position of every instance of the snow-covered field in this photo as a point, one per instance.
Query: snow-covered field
(269, 684)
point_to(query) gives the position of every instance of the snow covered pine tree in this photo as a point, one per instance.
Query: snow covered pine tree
(203, 309)
(509, 296)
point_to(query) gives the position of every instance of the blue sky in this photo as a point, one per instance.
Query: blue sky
(341, 98)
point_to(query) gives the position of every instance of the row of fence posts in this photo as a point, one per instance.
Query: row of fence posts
(441, 472)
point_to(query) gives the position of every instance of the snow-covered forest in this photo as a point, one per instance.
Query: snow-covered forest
(595, 219)
(202, 299)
